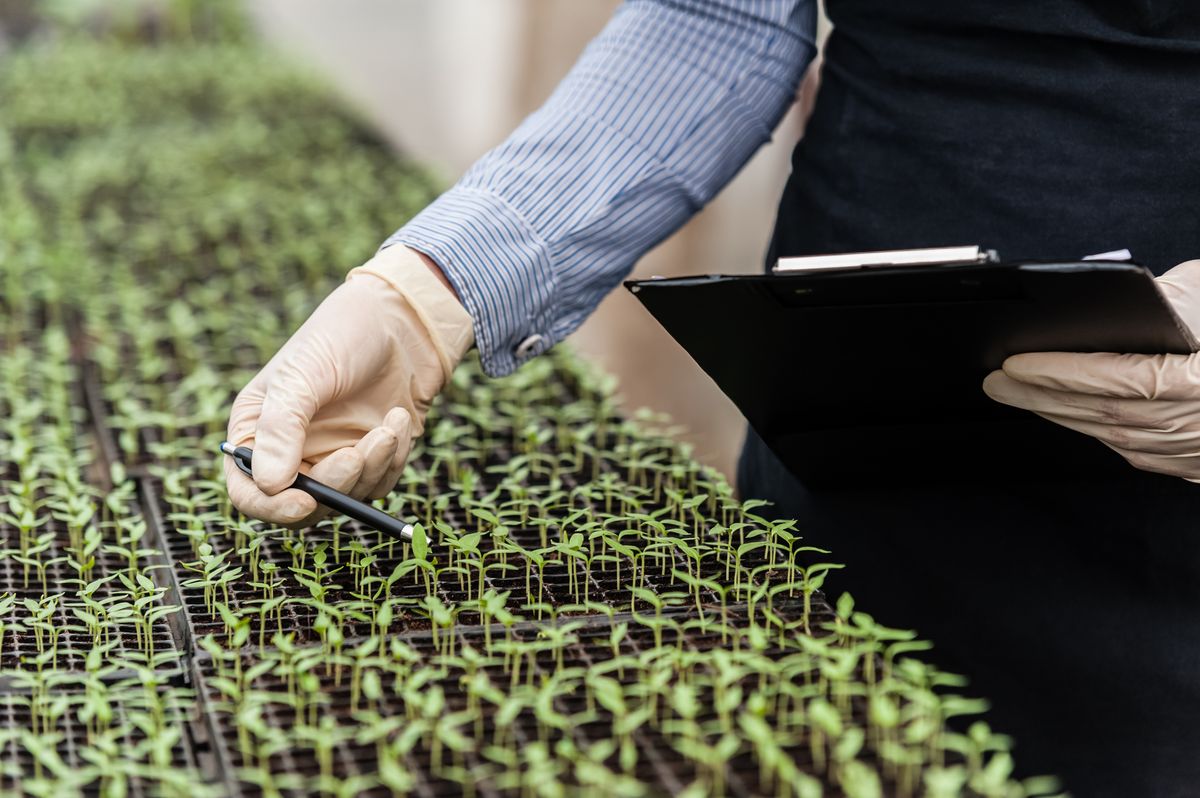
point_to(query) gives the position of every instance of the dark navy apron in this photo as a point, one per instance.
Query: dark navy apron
(1047, 129)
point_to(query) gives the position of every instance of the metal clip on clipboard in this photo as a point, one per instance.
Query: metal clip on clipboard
(935, 256)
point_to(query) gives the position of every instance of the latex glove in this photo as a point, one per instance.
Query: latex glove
(346, 395)
(1145, 407)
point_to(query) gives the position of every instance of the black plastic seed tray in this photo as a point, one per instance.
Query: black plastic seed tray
(295, 766)
(551, 586)
(79, 749)
(659, 767)
(87, 393)
(23, 642)
(46, 624)
(21, 650)
(147, 436)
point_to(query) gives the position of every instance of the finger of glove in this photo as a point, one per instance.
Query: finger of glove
(400, 421)
(1104, 374)
(287, 408)
(1181, 286)
(243, 415)
(341, 471)
(1152, 415)
(1186, 466)
(1134, 439)
(378, 447)
(286, 508)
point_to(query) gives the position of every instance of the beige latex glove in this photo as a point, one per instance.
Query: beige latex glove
(1145, 407)
(344, 398)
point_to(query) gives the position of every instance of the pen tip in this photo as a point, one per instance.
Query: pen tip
(226, 447)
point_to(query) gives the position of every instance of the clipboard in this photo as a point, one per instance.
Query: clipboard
(875, 374)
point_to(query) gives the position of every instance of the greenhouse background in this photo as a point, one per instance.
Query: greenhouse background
(584, 607)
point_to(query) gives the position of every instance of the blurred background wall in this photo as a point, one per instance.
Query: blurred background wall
(445, 80)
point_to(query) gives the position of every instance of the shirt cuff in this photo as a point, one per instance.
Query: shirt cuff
(499, 266)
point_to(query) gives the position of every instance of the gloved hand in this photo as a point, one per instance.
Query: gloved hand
(1145, 407)
(344, 398)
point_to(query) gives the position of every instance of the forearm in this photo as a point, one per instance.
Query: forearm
(660, 112)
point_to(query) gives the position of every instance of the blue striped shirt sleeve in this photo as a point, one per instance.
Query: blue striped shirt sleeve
(660, 112)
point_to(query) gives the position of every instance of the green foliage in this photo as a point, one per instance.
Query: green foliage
(580, 599)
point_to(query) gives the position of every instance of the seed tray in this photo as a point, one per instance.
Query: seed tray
(350, 758)
(551, 586)
(661, 768)
(148, 437)
(25, 316)
(93, 399)
(74, 747)
(19, 645)
(21, 653)
(156, 362)
(20, 650)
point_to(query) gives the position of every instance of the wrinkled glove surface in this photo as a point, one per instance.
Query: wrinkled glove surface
(1145, 407)
(344, 398)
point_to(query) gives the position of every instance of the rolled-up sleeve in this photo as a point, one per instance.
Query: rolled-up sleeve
(660, 112)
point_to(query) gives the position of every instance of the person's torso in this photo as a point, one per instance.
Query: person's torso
(1047, 129)
(1044, 129)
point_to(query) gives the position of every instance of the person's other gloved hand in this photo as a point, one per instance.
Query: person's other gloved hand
(345, 396)
(1145, 407)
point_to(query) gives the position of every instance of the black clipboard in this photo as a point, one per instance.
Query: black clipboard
(875, 373)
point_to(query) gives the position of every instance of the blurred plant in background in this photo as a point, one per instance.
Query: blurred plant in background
(130, 21)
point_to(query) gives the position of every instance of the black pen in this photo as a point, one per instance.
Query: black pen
(335, 499)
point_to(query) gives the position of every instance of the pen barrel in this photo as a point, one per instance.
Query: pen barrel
(359, 511)
(346, 505)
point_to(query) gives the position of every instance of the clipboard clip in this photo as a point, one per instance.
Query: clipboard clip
(935, 256)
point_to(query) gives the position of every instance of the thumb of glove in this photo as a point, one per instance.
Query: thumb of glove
(1181, 286)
